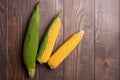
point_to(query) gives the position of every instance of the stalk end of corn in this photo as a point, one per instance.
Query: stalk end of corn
(51, 66)
(41, 62)
(31, 72)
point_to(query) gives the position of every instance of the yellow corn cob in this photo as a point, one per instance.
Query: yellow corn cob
(65, 50)
(52, 35)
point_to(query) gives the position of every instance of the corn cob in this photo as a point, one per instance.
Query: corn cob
(31, 42)
(65, 50)
(49, 40)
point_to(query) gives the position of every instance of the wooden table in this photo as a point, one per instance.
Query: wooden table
(96, 58)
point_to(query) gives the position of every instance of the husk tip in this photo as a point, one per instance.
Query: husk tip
(39, 61)
(59, 13)
(38, 4)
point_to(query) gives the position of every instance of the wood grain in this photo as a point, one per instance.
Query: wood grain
(107, 40)
(96, 58)
(3, 39)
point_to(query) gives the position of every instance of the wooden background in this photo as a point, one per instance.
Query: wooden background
(96, 58)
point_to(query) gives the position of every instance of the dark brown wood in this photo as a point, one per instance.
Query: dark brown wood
(107, 40)
(3, 39)
(96, 58)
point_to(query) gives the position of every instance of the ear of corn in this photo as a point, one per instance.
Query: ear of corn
(31, 42)
(65, 50)
(49, 40)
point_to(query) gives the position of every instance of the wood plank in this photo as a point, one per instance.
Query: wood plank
(18, 16)
(3, 39)
(80, 64)
(107, 40)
